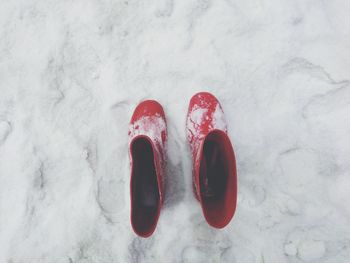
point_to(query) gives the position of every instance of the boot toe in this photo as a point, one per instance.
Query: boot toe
(148, 108)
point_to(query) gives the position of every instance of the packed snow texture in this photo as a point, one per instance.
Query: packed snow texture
(71, 74)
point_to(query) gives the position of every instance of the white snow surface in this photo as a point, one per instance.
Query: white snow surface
(71, 74)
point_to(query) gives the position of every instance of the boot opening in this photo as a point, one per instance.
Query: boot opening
(218, 183)
(145, 201)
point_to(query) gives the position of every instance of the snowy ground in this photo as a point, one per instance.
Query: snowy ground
(71, 73)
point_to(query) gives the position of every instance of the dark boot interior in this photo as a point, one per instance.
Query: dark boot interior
(144, 187)
(217, 179)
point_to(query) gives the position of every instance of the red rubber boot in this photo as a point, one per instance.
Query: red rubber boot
(147, 138)
(214, 164)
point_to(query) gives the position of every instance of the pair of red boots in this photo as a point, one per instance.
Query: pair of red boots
(214, 165)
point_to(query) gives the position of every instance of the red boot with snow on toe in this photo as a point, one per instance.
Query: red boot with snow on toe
(214, 164)
(147, 139)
